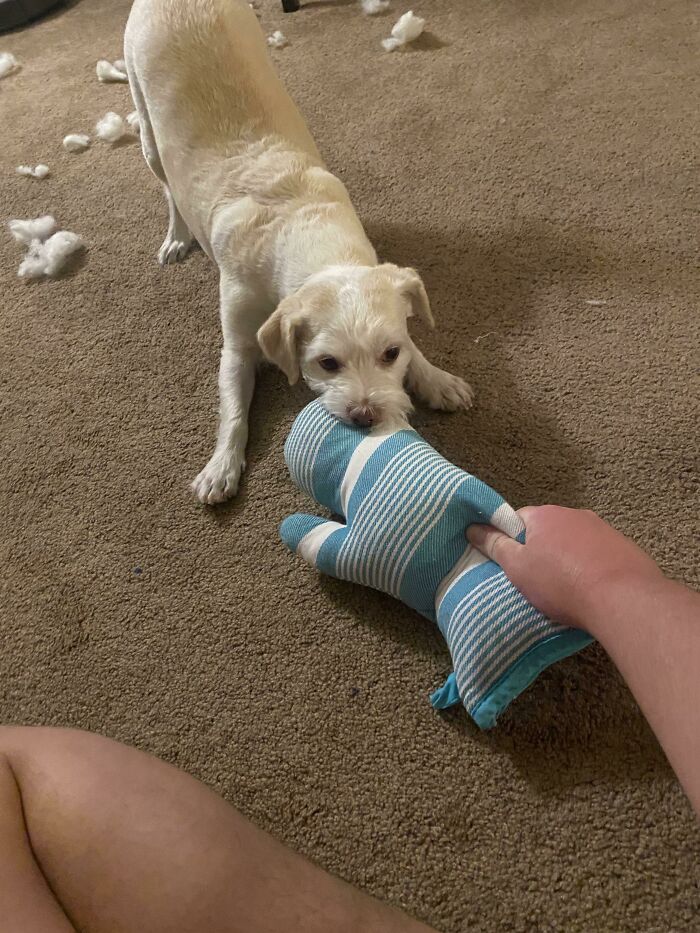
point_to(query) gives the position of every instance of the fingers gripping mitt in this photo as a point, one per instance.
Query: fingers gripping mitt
(405, 511)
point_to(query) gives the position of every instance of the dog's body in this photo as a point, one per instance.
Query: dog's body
(243, 177)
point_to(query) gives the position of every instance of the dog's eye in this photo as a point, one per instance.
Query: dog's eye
(329, 363)
(391, 354)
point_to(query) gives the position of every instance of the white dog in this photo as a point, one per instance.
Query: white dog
(298, 277)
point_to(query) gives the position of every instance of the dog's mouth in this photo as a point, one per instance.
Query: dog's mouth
(380, 422)
(363, 415)
(356, 416)
(367, 413)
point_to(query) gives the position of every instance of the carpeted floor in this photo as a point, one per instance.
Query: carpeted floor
(528, 158)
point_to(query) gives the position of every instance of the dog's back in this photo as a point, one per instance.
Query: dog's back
(216, 122)
(203, 67)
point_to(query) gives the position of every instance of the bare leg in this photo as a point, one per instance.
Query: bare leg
(28, 904)
(118, 841)
(239, 357)
(434, 386)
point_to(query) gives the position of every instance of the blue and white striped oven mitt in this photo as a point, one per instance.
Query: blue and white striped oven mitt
(406, 510)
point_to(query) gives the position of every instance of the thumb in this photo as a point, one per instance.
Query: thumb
(305, 534)
(496, 545)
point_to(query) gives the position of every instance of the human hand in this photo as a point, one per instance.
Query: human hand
(572, 562)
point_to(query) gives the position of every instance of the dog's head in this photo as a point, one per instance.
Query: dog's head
(345, 331)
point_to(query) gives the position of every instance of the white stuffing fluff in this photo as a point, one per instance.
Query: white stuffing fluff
(133, 121)
(8, 64)
(48, 249)
(110, 128)
(106, 71)
(50, 257)
(407, 28)
(277, 40)
(372, 7)
(39, 171)
(25, 231)
(76, 142)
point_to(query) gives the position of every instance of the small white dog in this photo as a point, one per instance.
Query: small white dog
(298, 277)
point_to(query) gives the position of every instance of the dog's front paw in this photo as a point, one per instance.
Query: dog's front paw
(218, 480)
(447, 392)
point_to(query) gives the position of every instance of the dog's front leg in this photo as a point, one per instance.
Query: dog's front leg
(239, 357)
(434, 386)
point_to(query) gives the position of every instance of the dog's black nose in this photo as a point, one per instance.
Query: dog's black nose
(363, 417)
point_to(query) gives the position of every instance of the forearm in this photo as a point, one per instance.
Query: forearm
(652, 633)
(577, 570)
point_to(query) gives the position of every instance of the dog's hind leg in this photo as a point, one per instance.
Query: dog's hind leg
(178, 238)
(240, 314)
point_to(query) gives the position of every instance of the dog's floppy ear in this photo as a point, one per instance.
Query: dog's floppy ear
(411, 285)
(279, 336)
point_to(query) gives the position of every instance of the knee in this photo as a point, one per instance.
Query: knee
(19, 743)
(10, 806)
(71, 763)
(11, 737)
(9, 782)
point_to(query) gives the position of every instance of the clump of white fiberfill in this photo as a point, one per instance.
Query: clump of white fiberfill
(8, 64)
(110, 128)
(133, 121)
(24, 231)
(110, 71)
(407, 28)
(277, 40)
(76, 142)
(372, 7)
(48, 249)
(50, 257)
(39, 171)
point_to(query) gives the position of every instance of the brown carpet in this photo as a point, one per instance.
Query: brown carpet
(528, 158)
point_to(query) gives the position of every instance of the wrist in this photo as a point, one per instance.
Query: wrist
(618, 597)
